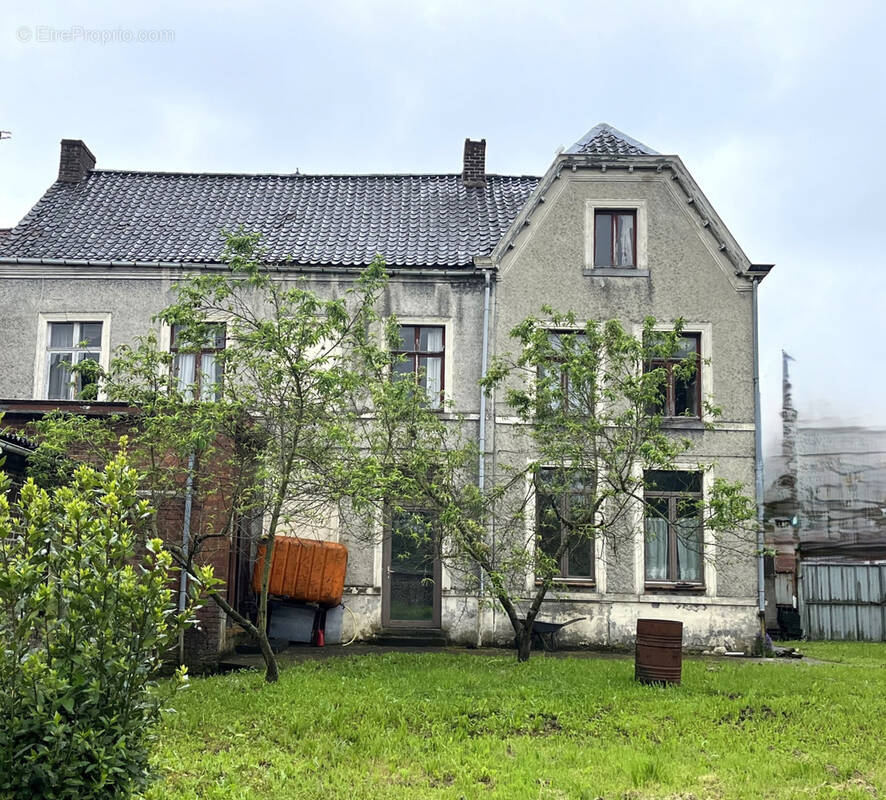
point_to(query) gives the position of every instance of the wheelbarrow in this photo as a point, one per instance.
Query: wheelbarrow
(545, 633)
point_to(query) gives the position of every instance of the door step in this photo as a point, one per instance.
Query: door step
(410, 637)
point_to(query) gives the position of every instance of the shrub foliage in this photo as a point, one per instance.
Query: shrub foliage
(86, 612)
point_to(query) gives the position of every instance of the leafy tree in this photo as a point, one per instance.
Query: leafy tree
(289, 381)
(85, 615)
(268, 439)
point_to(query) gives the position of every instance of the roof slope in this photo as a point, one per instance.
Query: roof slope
(412, 220)
(604, 140)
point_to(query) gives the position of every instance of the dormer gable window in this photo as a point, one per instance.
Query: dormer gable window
(615, 238)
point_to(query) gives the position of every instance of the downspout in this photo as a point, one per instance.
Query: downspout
(758, 468)
(481, 444)
(186, 545)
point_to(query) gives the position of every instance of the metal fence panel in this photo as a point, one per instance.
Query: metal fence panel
(843, 601)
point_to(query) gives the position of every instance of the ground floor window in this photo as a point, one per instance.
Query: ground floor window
(564, 513)
(673, 527)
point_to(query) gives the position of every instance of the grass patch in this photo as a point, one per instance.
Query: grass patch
(465, 726)
(862, 654)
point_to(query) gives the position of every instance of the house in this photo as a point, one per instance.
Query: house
(612, 229)
(825, 520)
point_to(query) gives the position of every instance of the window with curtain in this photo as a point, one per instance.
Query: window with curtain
(420, 358)
(615, 238)
(673, 528)
(198, 368)
(67, 344)
(563, 512)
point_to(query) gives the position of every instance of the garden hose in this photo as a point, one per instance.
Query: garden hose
(354, 622)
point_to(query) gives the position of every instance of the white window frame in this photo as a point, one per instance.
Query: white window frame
(641, 268)
(41, 360)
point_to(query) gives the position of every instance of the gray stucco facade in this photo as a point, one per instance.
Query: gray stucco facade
(687, 266)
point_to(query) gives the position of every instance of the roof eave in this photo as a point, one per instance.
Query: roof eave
(759, 271)
(41, 407)
(436, 270)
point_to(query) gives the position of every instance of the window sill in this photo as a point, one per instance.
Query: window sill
(683, 423)
(583, 584)
(667, 587)
(615, 272)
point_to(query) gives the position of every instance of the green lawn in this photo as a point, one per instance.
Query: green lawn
(467, 726)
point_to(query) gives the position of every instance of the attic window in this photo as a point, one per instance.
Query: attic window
(615, 238)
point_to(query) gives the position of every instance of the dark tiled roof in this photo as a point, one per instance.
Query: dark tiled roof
(412, 220)
(604, 140)
(8, 437)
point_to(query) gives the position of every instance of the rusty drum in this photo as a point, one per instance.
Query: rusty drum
(659, 655)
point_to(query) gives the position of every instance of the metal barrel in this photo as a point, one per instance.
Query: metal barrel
(659, 655)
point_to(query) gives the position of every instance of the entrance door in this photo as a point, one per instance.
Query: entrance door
(411, 575)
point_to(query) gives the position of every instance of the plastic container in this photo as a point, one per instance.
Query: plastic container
(305, 570)
(333, 624)
(292, 623)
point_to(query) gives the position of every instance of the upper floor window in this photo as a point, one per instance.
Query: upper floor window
(673, 504)
(69, 344)
(566, 390)
(199, 368)
(420, 355)
(681, 379)
(615, 238)
(563, 512)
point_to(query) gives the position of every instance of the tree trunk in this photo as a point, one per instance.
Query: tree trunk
(524, 643)
(259, 634)
(266, 578)
(271, 671)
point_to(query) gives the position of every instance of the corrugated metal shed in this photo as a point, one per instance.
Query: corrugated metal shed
(843, 601)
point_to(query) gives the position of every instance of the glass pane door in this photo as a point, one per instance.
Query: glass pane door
(411, 572)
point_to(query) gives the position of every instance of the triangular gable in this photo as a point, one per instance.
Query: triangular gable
(623, 152)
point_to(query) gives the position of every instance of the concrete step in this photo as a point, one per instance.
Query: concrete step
(410, 637)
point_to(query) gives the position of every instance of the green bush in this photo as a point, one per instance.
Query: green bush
(86, 612)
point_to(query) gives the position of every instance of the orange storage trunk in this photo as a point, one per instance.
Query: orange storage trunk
(304, 570)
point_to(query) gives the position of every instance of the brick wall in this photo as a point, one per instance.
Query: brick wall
(210, 514)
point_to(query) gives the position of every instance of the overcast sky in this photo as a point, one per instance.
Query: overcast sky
(776, 108)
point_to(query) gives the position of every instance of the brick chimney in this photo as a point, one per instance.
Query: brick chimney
(75, 162)
(474, 170)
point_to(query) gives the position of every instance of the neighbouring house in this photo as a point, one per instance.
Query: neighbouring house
(825, 517)
(612, 229)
